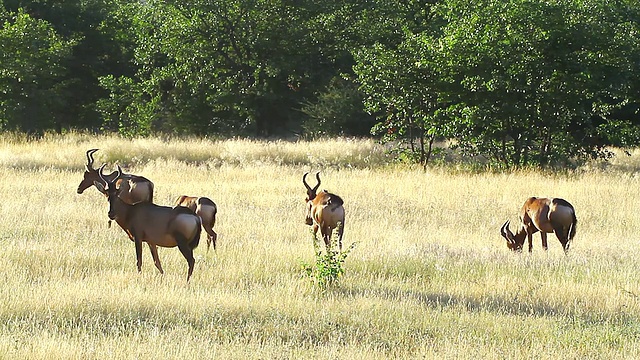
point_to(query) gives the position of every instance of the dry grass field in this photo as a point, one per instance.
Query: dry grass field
(429, 277)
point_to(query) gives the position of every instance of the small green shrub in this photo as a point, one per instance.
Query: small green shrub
(329, 265)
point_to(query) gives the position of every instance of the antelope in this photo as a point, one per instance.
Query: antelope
(553, 215)
(206, 209)
(135, 188)
(324, 212)
(156, 225)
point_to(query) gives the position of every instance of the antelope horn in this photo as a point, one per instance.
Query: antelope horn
(317, 178)
(506, 233)
(90, 157)
(100, 172)
(304, 181)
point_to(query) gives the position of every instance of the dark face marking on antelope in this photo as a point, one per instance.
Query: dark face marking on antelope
(514, 242)
(308, 219)
(90, 174)
(311, 192)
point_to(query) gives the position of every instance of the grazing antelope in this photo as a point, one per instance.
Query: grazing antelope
(324, 212)
(206, 209)
(547, 216)
(156, 225)
(135, 188)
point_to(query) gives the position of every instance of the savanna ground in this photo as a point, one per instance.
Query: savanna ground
(429, 277)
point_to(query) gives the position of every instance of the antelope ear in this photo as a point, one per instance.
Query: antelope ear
(100, 187)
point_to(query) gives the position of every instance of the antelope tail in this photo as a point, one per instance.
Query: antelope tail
(151, 192)
(196, 237)
(572, 228)
(213, 218)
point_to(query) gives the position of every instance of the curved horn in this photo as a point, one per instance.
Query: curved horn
(506, 233)
(119, 173)
(100, 172)
(317, 178)
(502, 229)
(90, 157)
(304, 181)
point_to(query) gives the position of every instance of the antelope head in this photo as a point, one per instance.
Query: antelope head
(514, 242)
(90, 173)
(311, 192)
(111, 190)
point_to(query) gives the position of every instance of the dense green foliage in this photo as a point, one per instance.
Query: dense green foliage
(514, 83)
(517, 82)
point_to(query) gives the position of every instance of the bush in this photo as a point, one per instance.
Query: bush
(329, 265)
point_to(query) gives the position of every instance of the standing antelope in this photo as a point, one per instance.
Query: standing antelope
(324, 212)
(156, 225)
(206, 209)
(135, 188)
(547, 216)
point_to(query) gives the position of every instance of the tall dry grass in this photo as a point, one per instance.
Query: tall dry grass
(430, 276)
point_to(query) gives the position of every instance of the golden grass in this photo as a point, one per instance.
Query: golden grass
(430, 276)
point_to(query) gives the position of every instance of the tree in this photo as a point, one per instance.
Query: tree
(228, 67)
(400, 80)
(536, 84)
(32, 73)
(95, 52)
(337, 111)
(518, 82)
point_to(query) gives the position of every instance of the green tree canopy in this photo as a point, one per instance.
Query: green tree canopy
(231, 67)
(31, 72)
(519, 82)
